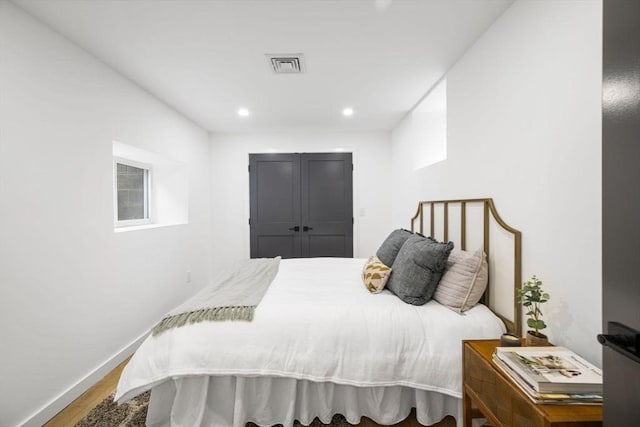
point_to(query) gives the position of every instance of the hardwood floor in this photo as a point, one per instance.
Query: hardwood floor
(88, 400)
(80, 407)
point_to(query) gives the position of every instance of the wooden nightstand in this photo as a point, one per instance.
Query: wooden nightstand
(488, 393)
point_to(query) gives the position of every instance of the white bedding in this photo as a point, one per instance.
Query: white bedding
(318, 322)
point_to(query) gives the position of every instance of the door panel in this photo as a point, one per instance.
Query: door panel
(286, 246)
(274, 193)
(326, 245)
(301, 205)
(621, 204)
(327, 204)
(325, 190)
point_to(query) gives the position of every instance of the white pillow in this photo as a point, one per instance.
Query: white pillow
(464, 281)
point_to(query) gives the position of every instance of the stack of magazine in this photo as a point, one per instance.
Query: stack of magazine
(551, 375)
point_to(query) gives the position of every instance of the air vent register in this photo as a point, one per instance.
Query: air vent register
(292, 63)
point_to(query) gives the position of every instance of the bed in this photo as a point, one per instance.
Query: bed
(320, 343)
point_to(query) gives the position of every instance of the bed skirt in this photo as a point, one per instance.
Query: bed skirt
(266, 401)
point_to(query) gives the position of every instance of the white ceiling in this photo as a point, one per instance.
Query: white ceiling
(206, 58)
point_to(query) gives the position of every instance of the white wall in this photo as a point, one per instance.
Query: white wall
(72, 293)
(524, 127)
(371, 184)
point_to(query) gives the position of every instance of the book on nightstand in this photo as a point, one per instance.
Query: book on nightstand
(550, 373)
(548, 398)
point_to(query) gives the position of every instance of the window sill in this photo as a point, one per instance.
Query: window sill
(141, 227)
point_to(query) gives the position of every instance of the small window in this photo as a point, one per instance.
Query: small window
(132, 193)
(429, 127)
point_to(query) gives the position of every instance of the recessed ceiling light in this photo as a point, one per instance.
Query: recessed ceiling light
(382, 5)
(243, 112)
(347, 112)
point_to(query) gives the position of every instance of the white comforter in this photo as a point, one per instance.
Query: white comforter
(318, 322)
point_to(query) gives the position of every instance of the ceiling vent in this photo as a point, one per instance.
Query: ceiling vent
(290, 63)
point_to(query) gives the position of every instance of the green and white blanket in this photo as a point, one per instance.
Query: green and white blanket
(234, 296)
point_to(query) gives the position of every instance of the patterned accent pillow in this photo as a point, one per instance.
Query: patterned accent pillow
(464, 281)
(375, 275)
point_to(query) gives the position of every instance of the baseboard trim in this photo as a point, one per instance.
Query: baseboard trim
(57, 404)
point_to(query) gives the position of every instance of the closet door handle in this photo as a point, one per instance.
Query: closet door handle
(307, 228)
(296, 228)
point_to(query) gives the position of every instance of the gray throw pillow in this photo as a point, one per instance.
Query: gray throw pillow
(389, 249)
(418, 268)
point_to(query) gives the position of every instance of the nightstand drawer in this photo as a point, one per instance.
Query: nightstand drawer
(497, 395)
(482, 380)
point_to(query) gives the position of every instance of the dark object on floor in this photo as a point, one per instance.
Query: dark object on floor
(109, 414)
(134, 414)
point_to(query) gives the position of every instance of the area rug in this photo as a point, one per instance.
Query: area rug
(109, 414)
(134, 413)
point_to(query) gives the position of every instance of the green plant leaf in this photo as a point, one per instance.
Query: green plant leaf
(532, 296)
(538, 324)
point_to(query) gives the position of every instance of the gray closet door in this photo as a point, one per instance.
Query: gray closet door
(301, 205)
(274, 188)
(327, 205)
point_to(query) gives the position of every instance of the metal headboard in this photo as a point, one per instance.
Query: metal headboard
(442, 208)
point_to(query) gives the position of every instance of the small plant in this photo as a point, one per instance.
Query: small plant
(532, 297)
